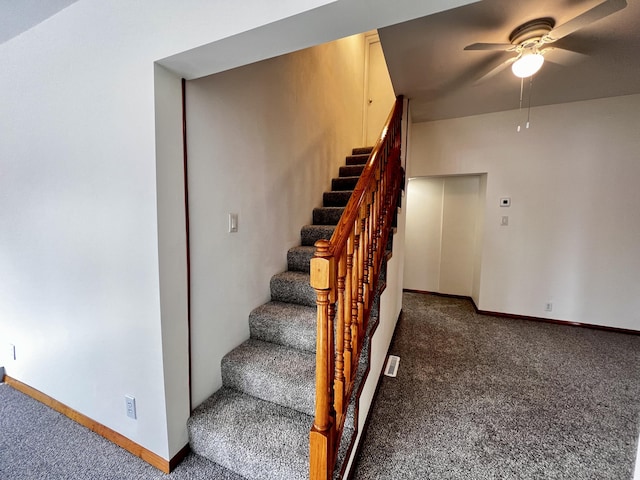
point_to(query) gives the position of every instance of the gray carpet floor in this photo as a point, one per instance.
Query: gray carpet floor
(475, 398)
(38, 443)
(479, 397)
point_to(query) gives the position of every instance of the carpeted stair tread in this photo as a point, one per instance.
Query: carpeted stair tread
(293, 287)
(344, 183)
(361, 150)
(310, 234)
(272, 372)
(298, 258)
(285, 324)
(327, 215)
(256, 439)
(336, 199)
(350, 171)
(357, 159)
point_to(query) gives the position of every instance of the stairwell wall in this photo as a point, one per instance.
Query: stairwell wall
(573, 230)
(264, 141)
(79, 254)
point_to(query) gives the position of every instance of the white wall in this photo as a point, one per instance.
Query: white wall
(423, 237)
(264, 142)
(442, 247)
(79, 292)
(87, 188)
(573, 230)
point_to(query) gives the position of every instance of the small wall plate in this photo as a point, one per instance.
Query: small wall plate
(505, 202)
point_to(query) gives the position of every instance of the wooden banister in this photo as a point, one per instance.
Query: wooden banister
(344, 273)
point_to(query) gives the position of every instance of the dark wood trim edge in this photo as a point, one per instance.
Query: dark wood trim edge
(178, 457)
(132, 447)
(567, 323)
(187, 227)
(437, 294)
(514, 316)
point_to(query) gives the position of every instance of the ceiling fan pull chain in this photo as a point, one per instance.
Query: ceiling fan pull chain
(529, 108)
(520, 108)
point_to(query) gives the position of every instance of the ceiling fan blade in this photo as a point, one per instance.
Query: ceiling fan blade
(495, 70)
(562, 56)
(596, 13)
(489, 46)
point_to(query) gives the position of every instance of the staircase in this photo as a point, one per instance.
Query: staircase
(257, 425)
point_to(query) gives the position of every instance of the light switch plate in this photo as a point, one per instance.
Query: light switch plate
(233, 222)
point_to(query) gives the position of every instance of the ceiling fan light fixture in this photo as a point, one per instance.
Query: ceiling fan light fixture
(527, 65)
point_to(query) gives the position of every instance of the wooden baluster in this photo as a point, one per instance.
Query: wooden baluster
(339, 381)
(369, 256)
(356, 294)
(349, 304)
(363, 300)
(361, 285)
(322, 433)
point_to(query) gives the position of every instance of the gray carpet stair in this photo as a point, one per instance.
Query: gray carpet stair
(344, 183)
(327, 215)
(310, 234)
(357, 159)
(256, 439)
(272, 372)
(298, 258)
(336, 199)
(258, 423)
(293, 287)
(351, 170)
(286, 324)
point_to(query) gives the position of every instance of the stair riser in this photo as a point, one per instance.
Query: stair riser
(346, 183)
(327, 215)
(357, 159)
(285, 324)
(292, 291)
(273, 373)
(361, 150)
(336, 199)
(298, 259)
(310, 234)
(351, 171)
(256, 439)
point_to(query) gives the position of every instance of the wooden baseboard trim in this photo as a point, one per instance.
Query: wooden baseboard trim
(437, 294)
(556, 322)
(514, 316)
(165, 466)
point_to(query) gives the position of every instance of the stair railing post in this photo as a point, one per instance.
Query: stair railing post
(322, 439)
(344, 275)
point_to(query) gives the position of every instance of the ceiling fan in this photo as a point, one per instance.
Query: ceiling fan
(529, 41)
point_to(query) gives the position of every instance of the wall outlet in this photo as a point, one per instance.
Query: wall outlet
(504, 221)
(548, 307)
(130, 402)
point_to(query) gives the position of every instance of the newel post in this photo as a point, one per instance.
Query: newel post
(323, 430)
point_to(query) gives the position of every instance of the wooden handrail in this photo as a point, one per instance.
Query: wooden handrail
(344, 273)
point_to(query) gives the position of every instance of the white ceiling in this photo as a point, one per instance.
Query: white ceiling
(17, 16)
(428, 64)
